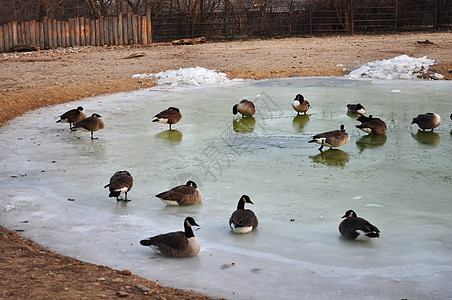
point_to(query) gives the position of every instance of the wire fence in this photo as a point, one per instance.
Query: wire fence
(226, 22)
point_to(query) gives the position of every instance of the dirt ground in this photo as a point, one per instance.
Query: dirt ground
(32, 80)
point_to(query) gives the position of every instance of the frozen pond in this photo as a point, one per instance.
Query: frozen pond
(52, 188)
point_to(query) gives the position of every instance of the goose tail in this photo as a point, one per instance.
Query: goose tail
(146, 242)
(373, 234)
(114, 194)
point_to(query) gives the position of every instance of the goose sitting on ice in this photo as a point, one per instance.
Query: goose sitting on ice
(175, 244)
(243, 220)
(356, 228)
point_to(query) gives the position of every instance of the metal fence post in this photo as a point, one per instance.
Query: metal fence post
(310, 20)
(396, 14)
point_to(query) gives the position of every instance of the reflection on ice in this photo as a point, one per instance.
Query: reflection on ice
(300, 121)
(332, 157)
(371, 141)
(55, 182)
(244, 124)
(427, 137)
(170, 135)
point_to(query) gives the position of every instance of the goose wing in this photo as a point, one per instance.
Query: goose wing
(243, 218)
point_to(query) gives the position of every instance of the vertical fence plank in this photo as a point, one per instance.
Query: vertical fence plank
(149, 26)
(120, 35)
(54, 33)
(109, 31)
(82, 30)
(26, 33)
(72, 32)
(77, 32)
(14, 33)
(59, 34)
(2, 40)
(135, 29)
(125, 30)
(98, 32)
(33, 33)
(41, 35)
(93, 32)
(49, 33)
(115, 30)
(101, 31)
(129, 29)
(87, 32)
(67, 38)
(144, 31)
(10, 35)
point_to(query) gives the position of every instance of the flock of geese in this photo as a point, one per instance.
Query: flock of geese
(184, 243)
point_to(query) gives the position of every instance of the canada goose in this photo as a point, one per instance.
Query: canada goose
(175, 244)
(245, 107)
(72, 116)
(355, 228)
(182, 194)
(120, 182)
(371, 125)
(243, 220)
(169, 116)
(427, 121)
(300, 105)
(355, 109)
(92, 123)
(331, 139)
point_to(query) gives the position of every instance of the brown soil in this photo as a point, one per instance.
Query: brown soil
(32, 80)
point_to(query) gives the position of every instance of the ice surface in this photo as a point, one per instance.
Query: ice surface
(54, 179)
(400, 67)
(187, 76)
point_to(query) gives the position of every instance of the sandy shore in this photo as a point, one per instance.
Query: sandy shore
(32, 80)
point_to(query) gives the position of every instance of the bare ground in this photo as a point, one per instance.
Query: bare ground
(32, 80)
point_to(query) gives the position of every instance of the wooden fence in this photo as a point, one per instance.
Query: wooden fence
(123, 30)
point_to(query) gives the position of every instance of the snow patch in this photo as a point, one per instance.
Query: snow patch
(400, 67)
(187, 77)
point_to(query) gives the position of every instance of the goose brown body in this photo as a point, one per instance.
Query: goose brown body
(182, 194)
(91, 124)
(245, 107)
(120, 182)
(300, 105)
(355, 109)
(356, 228)
(427, 121)
(72, 116)
(372, 125)
(243, 220)
(175, 244)
(335, 138)
(170, 116)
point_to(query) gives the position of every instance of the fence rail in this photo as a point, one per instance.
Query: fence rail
(228, 22)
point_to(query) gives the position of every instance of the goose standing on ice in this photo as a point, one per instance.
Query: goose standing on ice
(335, 138)
(245, 107)
(371, 125)
(300, 105)
(427, 121)
(72, 116)
(170, 116)
(91, 124)
(120, 183)
(175, 244)
(243, 220)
